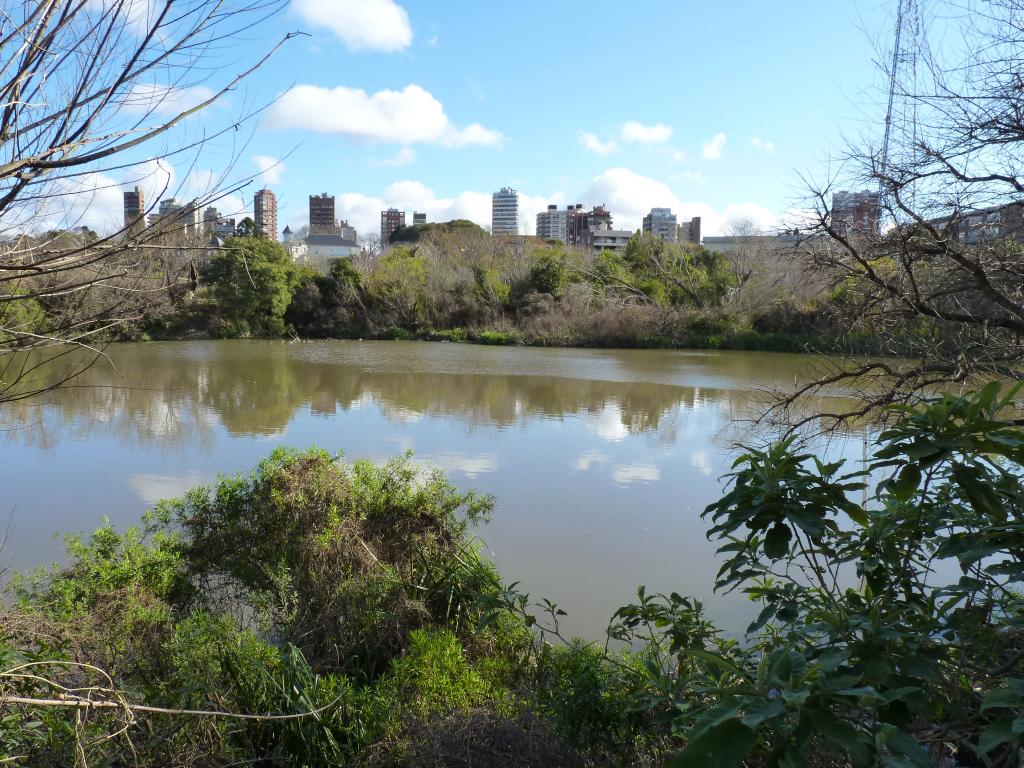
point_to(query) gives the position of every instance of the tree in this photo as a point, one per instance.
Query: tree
(938, 280)
(252, 281)
(246, 227)
(677, 274)
(93, 91)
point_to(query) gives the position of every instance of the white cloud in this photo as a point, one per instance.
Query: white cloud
(409, 116)
(474, 133)
(157, 178)
(638, 133)
(96, 200)
(363, 25)
(531, 205)
(761, 145)
(270, 168)
(404, 156)
(164, 101)
(677, 156)
(595, 145)
(363, 211)
(91, 200)
(695, 176)
(631, 196)
(139, 14)
(712, 149)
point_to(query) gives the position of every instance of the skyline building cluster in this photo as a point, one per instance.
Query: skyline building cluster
(327, 237)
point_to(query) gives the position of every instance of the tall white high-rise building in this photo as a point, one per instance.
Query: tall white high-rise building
(505, 212)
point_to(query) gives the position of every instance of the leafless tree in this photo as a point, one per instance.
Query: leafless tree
(939, 279)
(95, 94)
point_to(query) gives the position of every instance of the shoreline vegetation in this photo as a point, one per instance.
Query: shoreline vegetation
(320, 612)
(458, 284)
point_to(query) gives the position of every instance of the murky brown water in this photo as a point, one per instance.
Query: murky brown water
(601, 461)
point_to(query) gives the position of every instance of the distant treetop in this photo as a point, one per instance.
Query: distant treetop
(412, 234)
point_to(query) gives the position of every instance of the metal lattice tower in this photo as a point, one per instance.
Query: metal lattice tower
(901, 111)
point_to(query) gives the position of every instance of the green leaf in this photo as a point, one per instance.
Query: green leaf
(979, 492)
(1011, 696)
(830, 727)
(776, 542)
(1017, 726)
(723, 746)
(714, 659)
(760, 710)
(999, 732)
(906, 482)
(903, 746)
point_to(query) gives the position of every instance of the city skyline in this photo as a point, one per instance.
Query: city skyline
(399, 128)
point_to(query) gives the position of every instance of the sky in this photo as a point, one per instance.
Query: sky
(720, 110)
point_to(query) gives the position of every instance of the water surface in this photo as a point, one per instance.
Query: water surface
(601, 461)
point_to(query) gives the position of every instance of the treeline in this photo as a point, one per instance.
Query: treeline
(457, 283)
(322, 613)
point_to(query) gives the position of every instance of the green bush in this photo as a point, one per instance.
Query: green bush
(344, 560)
(882, 671)
(497, 338)
(435, 678)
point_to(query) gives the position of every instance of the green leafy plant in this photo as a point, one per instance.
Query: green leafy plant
(860, 648)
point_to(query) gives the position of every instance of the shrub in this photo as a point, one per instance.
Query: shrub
(344, 560)
(881, 672)
(497, 338)
(549, 273)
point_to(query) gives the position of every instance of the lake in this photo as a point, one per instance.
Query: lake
(601, 460)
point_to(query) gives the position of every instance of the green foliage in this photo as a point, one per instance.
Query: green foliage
(21, 318)
(246, 227)
(490, 287)
(432, 679)
(549, 272)
(596, 702)
(416, 232)
(873, 673)
(252, 281)
(675, 274)
(344, 560)
(398, 283)
(497, 338)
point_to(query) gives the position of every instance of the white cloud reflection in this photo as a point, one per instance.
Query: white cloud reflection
(584, 462)
(608, 423)
(700, 461)
(627, 474)
(468, 464)
(153, 488)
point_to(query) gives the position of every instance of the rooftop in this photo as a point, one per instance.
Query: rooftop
(337, 240)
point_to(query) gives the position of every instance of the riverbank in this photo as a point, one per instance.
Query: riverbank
(652, 296)
(625, 328)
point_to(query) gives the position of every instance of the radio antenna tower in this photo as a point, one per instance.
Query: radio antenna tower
(901, 111)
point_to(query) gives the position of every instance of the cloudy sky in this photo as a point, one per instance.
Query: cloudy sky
(712, 109)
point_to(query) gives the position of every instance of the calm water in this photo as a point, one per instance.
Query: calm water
(601, 461)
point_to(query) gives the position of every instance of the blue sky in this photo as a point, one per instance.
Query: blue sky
(714, 109)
